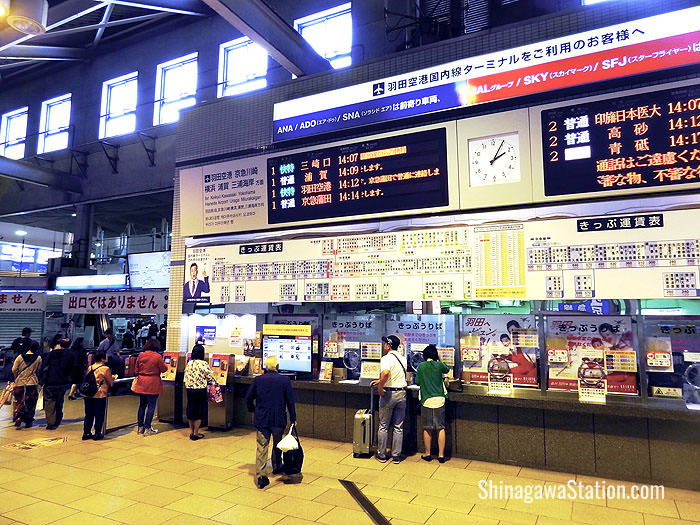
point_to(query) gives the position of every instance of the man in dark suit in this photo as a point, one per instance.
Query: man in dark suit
(194, 288)
(270, 396)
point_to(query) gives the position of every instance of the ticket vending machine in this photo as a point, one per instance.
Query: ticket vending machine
(171, 401)
(221, 414)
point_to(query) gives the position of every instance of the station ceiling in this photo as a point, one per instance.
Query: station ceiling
(143, 212)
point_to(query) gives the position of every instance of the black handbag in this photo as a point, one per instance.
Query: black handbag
(293, 460)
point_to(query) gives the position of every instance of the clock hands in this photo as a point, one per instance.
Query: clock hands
(497, 156)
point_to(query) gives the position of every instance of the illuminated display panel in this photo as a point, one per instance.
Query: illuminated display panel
(293, 353)
(390, 174)
(650, 139)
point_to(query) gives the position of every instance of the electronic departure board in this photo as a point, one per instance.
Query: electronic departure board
(390, 174)
(651, 139)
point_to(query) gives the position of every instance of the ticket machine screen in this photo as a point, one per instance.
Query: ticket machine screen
(167, 360)
(216, 362)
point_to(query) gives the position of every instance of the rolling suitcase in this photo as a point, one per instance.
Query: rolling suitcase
(363, 430)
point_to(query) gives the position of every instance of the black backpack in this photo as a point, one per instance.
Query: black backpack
(88, 387)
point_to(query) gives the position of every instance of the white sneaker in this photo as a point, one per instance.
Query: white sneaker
(150, 431)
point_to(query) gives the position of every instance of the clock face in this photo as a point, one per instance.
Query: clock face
(494, 160)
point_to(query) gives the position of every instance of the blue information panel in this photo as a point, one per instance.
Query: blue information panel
(395, 173)
(651, 139)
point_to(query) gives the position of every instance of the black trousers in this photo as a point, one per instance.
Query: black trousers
(54, 396)
(95, 410)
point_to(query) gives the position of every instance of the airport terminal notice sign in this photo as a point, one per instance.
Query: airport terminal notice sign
(631, 48)
(402, 172)
(639, 141)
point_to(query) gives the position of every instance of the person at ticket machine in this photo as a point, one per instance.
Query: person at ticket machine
(391, 387)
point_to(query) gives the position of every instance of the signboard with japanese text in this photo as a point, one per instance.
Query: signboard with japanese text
(401, 172)
(649, 44)
(591, 350)
(649, 255)
(645, 140)
(498, 348)
(671, 344)
(223, 197)
(22, 302)
(416, 331)
(377, 177)
(151, 303)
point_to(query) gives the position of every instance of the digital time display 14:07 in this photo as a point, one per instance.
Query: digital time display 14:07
(640, 141)
(396, 173)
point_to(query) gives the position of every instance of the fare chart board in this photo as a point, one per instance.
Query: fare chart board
(650, 139)
(402, 172)
(654, 255)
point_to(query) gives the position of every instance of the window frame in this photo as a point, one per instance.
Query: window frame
(322, 16)
(5, 131)
(159, 100)
(252, 82)
(45, 132)
(106, 114)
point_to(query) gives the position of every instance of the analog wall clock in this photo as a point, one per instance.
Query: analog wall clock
(494, 160)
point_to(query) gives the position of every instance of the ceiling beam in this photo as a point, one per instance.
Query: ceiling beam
(24, 52)
(262, 25)
(181, 7)
(103, 25)
(33, 174)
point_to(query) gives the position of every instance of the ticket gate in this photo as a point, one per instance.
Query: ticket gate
(171, 403)
(221, 414)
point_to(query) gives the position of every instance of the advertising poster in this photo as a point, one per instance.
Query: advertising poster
(196, 289)
(502, 340)
(206, 334)
(591, 349)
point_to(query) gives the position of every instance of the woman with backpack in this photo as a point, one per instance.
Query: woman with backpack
(25, 370)
(95, 388)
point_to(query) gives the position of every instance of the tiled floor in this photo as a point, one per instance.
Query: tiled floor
(168, 479)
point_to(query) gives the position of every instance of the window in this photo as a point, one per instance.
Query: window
(242, 67)
(176, 88)
(13, 133)
(55, 120)
(118, 110)
(330, 34)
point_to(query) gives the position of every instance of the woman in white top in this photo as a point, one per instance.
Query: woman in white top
(198, 374)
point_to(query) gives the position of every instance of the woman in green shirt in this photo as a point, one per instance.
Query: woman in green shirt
(433, 397)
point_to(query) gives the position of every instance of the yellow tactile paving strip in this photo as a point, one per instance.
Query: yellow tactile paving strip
(167, 478)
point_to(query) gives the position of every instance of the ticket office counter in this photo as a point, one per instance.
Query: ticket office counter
(651, 440)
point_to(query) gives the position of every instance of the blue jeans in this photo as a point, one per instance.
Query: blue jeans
(392, 411)
(147, 407)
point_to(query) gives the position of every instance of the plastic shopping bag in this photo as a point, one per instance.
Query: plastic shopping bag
(288, 442)
(293, 459)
